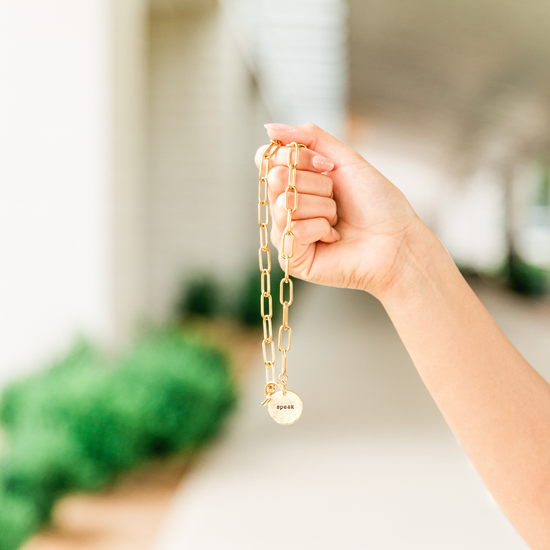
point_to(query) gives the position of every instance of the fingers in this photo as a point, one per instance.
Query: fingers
(306, 232)
(312, 221)
(309, 183)
(316, 211)
(309, 206)
(314, 139)
(308, 159)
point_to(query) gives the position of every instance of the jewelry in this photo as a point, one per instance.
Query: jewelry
(283, 405)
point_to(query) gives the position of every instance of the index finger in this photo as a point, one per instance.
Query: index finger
(307, 159)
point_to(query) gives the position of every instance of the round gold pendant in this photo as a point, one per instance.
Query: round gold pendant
(285, 408)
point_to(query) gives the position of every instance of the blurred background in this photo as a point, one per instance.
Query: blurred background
(128, 205)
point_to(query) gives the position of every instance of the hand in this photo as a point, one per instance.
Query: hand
(353, 228)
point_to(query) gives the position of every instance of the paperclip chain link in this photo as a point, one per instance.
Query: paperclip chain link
(287, 252)
(268, 347)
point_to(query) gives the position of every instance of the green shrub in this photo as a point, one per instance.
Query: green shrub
(18, 519)
(200, 296)
(247, 310)
(525, 278)
(22, 397)
(78, 425)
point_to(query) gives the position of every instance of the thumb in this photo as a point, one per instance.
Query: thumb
(315, 139)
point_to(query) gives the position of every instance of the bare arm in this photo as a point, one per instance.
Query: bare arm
(355, 229)
(496, 404)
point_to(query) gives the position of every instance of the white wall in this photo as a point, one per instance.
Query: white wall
(299, 51)
(54, 173)
(202, 191)
(126, 163)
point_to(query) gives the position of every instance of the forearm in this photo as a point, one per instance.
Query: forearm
(496, 404)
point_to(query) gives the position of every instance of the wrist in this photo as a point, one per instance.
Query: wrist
(422, 265)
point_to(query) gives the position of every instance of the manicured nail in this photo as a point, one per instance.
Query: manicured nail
(279, 127)
(322, 163)
(335, 234)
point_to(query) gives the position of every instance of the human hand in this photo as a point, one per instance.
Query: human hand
(353, 228)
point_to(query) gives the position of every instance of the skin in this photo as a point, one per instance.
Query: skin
(354, 229)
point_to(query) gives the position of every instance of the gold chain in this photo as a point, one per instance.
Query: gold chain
(287, 252)
(265, 270)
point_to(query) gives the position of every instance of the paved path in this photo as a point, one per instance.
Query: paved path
(370, 465)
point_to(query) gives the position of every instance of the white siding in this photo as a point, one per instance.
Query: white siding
(202, 178)
(299, 51)
(126, 145)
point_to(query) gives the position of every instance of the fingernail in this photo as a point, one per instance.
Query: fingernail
(335, 234)
(279, 127)
(322, 163)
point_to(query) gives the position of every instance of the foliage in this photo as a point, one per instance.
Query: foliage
(84, 421)
(247, 309)
(199, 296)
(18, 519)
(526, 278)
(202, 296)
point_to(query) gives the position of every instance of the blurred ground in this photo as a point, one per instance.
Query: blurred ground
(126, 517)
(371, 463)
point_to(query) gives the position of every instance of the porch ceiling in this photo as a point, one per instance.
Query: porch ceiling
(458, 71)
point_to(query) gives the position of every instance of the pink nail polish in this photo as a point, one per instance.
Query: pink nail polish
(279, 127)
(322, 163)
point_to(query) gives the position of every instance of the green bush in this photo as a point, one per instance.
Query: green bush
(200, 296)
(18, 519)
(247, 310)
(525, 278)
(81, 423)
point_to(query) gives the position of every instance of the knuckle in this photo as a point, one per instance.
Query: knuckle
(297, 229)
(277, 177)
(329, 188)
(279, 208)
(311, 127)
(334, 212)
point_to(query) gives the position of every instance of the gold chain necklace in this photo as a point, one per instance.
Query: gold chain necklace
(284, 406)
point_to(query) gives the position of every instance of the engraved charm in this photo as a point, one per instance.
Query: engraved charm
(285, 409)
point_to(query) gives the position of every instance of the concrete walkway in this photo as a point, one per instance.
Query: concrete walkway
(370, 465)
